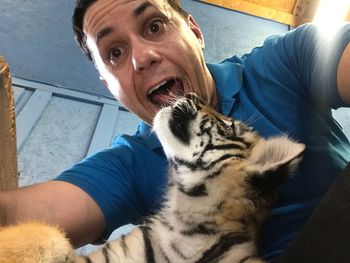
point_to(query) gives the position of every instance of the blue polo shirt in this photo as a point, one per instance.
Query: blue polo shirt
(287, 86)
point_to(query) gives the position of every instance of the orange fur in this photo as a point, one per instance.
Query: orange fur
(34, 243)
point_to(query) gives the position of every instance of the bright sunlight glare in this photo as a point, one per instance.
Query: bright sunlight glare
(330, 15)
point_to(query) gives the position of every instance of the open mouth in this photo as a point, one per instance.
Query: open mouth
(166, 92)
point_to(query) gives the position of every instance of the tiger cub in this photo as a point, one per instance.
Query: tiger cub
(222, 179)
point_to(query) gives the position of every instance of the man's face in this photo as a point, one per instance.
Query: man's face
(147, 53)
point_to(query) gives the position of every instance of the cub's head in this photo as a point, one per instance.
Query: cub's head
(198, 140)
(189, 127)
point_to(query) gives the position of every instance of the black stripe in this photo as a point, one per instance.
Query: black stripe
(148, 246)
(220, 205)
(199, 165)
(217, 172)
(222, 158)
(87, 259)
(203, 123)
(196, 191)
(105, 252)
(173, 246)
(166, 223)
(190, 165)
(227, 146)
(200, 229)
(223, 245)
(164, 255)
(221, 130)
(123, 244)
(248, 258)
(240, 139)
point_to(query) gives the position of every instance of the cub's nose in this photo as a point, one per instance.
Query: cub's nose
(182, 115)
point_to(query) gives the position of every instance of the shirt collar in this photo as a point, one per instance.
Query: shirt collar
(228, 81)
(228, 77)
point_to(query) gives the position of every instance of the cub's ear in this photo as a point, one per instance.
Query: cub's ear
(271, 161)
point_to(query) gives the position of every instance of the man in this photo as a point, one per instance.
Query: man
(148, 50)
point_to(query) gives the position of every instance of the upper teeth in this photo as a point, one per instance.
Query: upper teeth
(157, 87)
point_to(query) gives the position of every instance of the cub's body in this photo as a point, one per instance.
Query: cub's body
(222, 181)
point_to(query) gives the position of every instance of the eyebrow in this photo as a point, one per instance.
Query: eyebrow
(108, 30)
(102, 33)
(141, 8)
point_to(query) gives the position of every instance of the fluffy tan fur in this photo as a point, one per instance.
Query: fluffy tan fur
(237, 172)
(34, 243)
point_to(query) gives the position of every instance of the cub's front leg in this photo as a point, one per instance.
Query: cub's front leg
(131, 248)
(37, 242)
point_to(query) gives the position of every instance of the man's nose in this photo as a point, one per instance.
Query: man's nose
(144, 55)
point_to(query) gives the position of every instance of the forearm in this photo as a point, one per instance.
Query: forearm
(55, 203)
(29, 208)
(21, 204)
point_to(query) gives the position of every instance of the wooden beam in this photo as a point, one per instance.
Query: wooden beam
(300, 8)
(260, 11)
(8, 153)
(282, 5)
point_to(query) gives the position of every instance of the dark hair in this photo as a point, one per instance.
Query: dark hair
(78, 16)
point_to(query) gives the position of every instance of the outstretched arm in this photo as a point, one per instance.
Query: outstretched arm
(57, 203)
(343, 75)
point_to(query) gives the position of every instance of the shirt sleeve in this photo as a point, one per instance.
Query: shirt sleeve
(312, 58)
(121, 182)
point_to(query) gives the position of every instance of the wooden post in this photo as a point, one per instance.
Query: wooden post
(8, 151)
(267, 9)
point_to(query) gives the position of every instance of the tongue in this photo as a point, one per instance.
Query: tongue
(165, 95)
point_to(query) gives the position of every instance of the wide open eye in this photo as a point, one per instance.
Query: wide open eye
(155, 26)
(114, 55)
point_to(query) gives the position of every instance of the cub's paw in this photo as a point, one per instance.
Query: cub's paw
(34, 243)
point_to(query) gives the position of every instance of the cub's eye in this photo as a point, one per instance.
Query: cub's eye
(114, 54)
(231, 128)
(155, 26)
(228, 125)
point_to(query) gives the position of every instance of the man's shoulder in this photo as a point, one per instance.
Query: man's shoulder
(142, 138)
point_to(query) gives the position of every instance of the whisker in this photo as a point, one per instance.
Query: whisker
(252, 119)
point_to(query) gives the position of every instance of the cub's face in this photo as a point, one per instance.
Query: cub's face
(197, 139)
(189, 128)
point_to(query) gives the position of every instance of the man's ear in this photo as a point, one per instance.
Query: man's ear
(196, 30)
